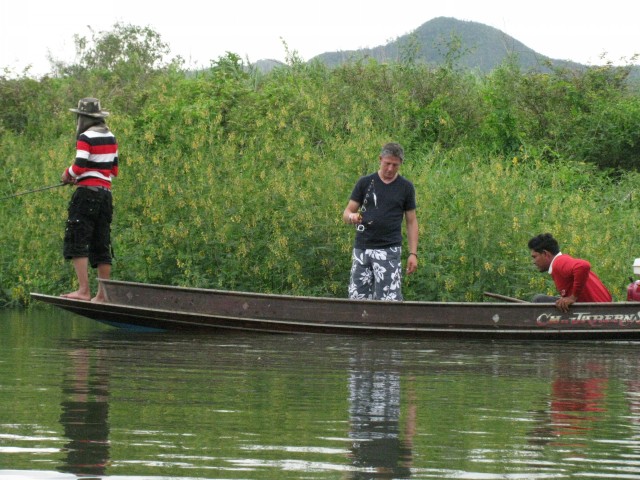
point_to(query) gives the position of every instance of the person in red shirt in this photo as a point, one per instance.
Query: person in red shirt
(574, 279)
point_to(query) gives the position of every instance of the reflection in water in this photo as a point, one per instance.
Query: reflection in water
(378, 449)
(633, 397)
(577, 400)
(85, 412)
(577, 393)
(250, 406)
(573, 401)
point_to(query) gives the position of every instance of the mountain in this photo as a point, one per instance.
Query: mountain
(480, 47)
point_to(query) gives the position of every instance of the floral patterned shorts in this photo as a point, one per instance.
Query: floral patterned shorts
(376, 274)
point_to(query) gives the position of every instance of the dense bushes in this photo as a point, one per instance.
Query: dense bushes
(236, 179)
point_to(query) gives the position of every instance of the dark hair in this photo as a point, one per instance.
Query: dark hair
(542, 242)
(84, 123)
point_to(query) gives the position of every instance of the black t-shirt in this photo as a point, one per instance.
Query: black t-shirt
(383, 206)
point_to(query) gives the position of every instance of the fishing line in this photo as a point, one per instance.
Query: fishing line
(33, 191)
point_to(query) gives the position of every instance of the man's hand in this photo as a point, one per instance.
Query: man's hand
(355, 218)
(412, 264)
(563, 303)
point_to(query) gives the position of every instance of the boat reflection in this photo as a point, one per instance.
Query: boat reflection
(226, 397)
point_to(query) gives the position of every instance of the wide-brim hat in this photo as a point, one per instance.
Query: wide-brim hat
(89, 107)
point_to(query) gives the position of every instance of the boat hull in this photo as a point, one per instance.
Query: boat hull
(162, 307)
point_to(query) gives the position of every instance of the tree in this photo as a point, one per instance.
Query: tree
(127, 49)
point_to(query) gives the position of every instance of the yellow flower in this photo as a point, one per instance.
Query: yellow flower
(449, 284)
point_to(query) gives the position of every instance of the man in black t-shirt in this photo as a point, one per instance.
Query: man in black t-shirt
(377, 206)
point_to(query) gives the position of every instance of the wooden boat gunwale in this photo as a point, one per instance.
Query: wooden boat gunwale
(166, 307)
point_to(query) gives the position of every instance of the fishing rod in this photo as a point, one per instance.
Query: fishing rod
(33, 191)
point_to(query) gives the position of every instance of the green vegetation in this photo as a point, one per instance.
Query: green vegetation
(232, 178)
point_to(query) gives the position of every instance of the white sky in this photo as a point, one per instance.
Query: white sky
(204, 30)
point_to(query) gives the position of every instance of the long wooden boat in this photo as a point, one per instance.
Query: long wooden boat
(163, 307)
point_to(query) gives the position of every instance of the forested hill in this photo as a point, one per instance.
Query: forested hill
(476, 46)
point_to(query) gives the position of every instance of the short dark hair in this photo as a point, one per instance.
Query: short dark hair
(542, 242)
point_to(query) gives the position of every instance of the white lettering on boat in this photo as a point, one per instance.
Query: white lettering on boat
(587, 318)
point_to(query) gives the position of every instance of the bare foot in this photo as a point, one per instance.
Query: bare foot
(98, 299)
(76, 296)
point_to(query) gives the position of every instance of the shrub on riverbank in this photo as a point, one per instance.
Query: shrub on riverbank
(236, 179)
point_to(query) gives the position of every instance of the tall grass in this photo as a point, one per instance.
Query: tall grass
(236, 179)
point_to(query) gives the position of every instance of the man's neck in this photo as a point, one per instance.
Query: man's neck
(385, 180)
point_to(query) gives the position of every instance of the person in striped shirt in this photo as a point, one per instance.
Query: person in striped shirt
(87, 237)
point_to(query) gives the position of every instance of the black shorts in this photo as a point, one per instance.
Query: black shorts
(88, 230)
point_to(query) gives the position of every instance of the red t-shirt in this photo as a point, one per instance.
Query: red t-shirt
(573, 276)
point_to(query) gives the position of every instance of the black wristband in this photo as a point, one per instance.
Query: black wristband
(413, 254)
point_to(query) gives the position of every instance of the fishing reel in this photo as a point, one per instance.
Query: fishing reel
(361, 225)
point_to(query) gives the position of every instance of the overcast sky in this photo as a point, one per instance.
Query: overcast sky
(201, 31)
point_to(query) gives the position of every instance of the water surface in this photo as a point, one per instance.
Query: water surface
(83, 400)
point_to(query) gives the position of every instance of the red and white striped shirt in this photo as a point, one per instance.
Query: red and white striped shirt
(96, 158)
